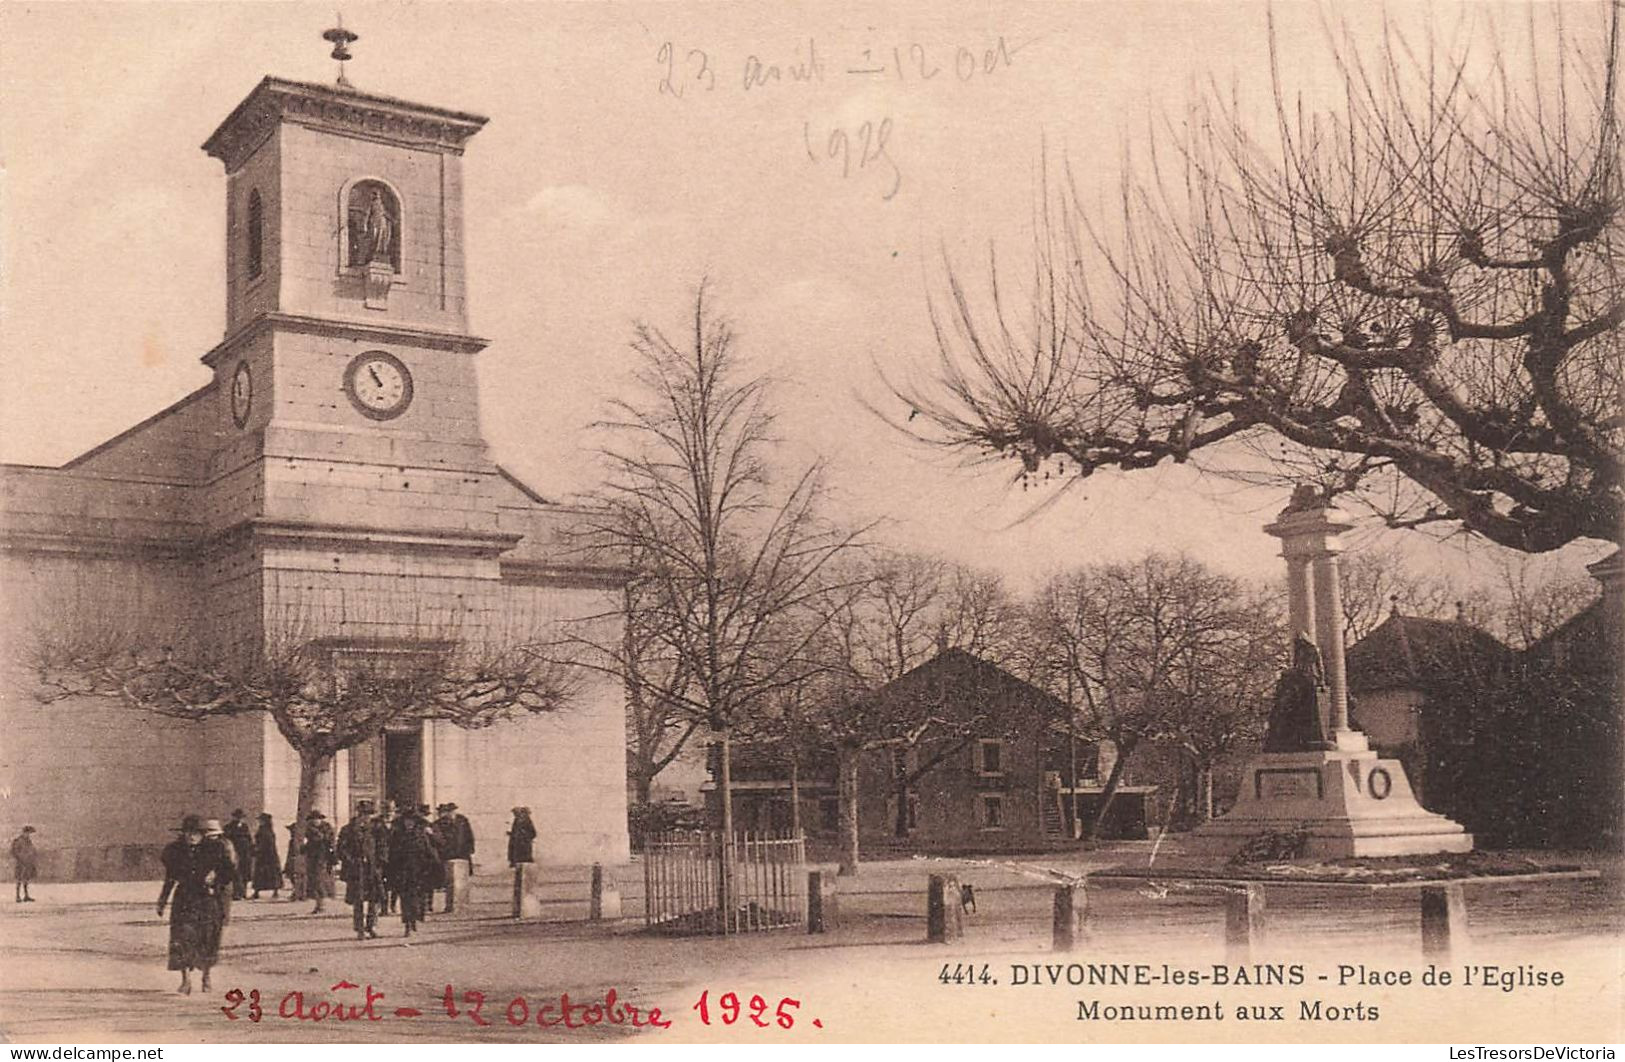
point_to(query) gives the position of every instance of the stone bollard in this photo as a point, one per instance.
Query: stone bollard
(1243, 921)
(1071, 910)
(944, 920)
(458, 872)
(822, 912)
(527, 891)
(605, 901)
(1444, 920)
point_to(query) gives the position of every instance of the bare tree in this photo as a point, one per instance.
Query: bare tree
(1223, 672)
(1375, 582)
(730, 559)
(655, 679)
(326, 693)
(1151, 649)
(894, 612)
(1410, 296)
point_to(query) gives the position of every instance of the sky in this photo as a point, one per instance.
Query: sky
(632, 150)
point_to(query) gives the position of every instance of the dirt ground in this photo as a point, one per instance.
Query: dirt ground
(86, 964)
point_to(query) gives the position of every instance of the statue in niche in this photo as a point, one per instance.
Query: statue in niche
(374, 225)
(1297, 720)
(378, 231)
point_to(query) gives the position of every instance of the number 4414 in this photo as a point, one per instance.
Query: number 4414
(965, 973)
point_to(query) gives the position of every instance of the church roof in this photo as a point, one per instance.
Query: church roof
(1411, 651)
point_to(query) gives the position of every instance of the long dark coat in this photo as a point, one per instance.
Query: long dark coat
(24, 857)
(194, 877)
(242, 846)
(267, 861)
(359, 862)
(320, 855)
(414, 870)
(521, 836)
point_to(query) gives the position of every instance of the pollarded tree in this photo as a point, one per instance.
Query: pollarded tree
(325, 693)
(1409, 295)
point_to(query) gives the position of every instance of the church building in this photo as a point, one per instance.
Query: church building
(330, 482)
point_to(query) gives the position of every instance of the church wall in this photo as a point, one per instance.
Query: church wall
(429, 289)
(172, 445)
(55, 502)
(103, 783)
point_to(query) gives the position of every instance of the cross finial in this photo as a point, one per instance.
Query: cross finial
(342, 39)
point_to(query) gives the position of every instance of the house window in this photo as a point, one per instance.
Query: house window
(992, 811)
(256, 234)
(990, 756)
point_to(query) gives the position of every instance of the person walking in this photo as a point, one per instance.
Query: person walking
(361, 869)
(25, 862)
(521, 838)
(214, 836)
(413, 861)
(267, 861)
(195, 872)
(242, 846)
(320, 856)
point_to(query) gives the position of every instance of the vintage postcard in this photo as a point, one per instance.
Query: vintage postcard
(812, 523)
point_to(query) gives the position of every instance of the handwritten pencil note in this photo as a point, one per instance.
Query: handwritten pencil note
(871, 148)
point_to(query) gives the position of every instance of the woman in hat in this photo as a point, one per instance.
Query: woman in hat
(521, 835)
(195, 872)
(267, 861)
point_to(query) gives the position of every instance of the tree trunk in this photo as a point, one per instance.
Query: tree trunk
(642, 783)
(725, 846)
(1112, 782)
(847, 772)
(311, 765)
(795, 795)
(1207, 794)
(900, 822)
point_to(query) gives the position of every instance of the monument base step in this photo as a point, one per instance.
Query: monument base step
(1347, 803)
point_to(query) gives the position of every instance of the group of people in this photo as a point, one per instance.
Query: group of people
(393, 861)
(388, 860)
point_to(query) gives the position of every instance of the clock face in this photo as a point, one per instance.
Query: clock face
(379, 385)
(242, 394)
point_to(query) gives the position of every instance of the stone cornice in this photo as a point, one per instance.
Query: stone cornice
(338, 328)
(336, 110)
(572, 576)
(464, 543)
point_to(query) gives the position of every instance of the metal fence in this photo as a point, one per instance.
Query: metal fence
(694, 883)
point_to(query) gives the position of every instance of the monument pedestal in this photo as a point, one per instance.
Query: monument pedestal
(1348, 801)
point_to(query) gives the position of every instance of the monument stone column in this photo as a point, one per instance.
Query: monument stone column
(1310, 531)
(1317, 777)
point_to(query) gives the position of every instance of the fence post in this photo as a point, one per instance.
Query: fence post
(1244, 919)
(457, 875)
(944, 922)
(1071, 910)
(527, 901)
(605, 901)
(1444, 919)
(822, 912)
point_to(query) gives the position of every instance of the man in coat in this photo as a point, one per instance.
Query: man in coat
(362, 870)
(320, 855)
(267, 860)
(521, 836)
(242, 846)
(414, 863)
(25, 862)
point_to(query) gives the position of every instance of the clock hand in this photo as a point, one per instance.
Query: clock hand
(379, 380)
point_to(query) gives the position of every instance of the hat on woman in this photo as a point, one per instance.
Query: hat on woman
(211, 828)
(265, 816)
